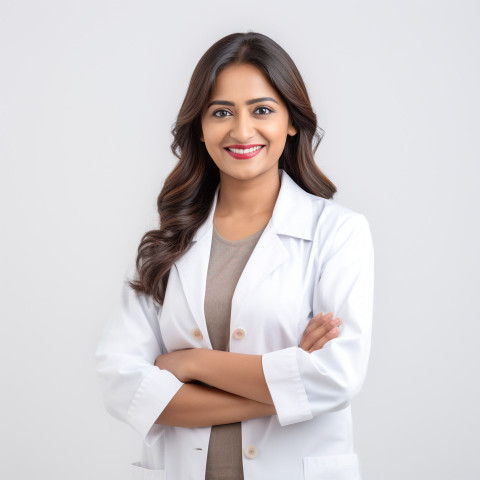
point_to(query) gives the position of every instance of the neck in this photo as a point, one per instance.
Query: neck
(246, 198)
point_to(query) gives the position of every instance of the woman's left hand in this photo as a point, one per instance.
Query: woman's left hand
(179, 363)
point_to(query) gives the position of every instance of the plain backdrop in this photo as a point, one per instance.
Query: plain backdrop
(89, 91)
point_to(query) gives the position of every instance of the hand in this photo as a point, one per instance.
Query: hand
(178, 362)
(320, 329)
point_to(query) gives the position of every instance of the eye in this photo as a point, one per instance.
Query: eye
(265, 108)
(219, 116)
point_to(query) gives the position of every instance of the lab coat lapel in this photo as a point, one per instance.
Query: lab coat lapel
(291, 216)
(268, 254)
(193, 267)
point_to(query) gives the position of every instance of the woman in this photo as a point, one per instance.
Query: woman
(219, 354)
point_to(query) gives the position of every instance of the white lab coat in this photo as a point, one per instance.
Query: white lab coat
(313, 256)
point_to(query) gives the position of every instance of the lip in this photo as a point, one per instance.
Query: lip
(245, 146)
(244, 156)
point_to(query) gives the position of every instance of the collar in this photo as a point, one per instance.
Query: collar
(292, 214)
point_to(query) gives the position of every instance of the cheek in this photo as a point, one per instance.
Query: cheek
(277, 141)
(214, 150)
(213, 137)
(276, 133)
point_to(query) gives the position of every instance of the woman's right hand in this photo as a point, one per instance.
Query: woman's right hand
(320, 329)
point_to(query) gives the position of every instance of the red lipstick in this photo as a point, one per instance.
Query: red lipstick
(245, 146)
(242, 156)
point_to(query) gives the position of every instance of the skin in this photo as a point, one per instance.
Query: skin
(235, 387)
(248, 188)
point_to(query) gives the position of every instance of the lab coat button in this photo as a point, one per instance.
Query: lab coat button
(251, 451)
(196, 332)
(239, 333)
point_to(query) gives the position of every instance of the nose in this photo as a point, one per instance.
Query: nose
(243, 128)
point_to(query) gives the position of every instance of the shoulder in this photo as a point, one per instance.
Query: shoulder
(330, 216)
(336, 226)
(308, 216)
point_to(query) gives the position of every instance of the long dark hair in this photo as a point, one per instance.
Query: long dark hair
(187, 194)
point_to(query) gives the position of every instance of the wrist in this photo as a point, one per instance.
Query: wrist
(193, 363)
(261, 409)
(272, 410)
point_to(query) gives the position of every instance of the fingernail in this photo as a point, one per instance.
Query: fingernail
(329, 315)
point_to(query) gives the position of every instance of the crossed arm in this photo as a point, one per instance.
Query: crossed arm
(232, 385)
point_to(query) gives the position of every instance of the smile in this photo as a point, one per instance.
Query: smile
(239, 153)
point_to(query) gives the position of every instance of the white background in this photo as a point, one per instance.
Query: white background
(89, 91)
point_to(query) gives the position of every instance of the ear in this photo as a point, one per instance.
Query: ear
(292, 131)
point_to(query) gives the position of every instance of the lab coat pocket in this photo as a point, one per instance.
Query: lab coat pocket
(332, 467)
(141, 473)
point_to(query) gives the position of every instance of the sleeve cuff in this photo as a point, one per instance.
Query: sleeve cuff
(152, 396)
(286, 387)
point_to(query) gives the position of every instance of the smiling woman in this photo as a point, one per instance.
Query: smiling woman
(220, 353)
(254, 116)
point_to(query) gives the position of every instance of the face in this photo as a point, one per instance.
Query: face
(244, 109)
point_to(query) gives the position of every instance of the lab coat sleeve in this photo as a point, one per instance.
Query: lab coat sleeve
(304, 385)
(135, 391)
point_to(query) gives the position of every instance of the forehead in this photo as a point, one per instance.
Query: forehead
(242, 81)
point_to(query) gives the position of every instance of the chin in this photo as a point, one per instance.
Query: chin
(247, 172)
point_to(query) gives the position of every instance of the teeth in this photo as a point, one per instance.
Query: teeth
(248, 150)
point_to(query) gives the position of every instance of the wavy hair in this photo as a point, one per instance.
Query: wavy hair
(187, 193)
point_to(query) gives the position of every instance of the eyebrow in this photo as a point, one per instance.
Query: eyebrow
(248, 102)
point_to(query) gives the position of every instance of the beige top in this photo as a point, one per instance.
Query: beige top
(227, 261)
